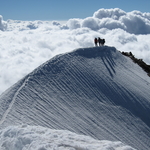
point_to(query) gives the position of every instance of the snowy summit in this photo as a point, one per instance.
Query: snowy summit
(94, 91)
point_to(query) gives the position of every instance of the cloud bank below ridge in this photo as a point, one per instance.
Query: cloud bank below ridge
(133, 22)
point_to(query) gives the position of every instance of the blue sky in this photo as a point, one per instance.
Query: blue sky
(64, 9)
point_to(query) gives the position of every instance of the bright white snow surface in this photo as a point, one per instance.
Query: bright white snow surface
(39, 138)
(93, 91)
(24, 45)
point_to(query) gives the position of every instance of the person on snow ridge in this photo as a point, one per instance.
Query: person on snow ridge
(95, 41)
(103, 42)
(99, 41)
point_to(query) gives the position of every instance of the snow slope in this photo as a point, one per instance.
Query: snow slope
(40, 138)
(93, 91)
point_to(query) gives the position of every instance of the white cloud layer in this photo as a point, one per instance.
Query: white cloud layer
(3, 24)
(24, 45)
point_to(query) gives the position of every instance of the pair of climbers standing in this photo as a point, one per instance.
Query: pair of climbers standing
(99, 41)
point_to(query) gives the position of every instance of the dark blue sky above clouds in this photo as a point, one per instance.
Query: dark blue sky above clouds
(64, 10)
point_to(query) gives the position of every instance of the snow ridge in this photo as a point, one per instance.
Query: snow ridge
(11, 103)
(93, 91)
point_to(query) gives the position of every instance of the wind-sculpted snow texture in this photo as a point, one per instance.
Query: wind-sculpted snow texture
(39, 138)
(93, 91)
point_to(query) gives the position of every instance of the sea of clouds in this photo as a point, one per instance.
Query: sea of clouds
(24, 45)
